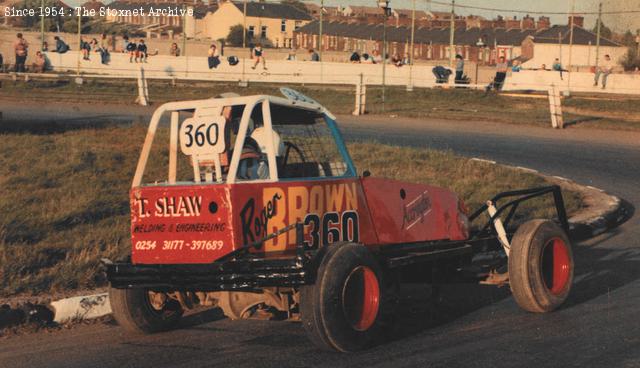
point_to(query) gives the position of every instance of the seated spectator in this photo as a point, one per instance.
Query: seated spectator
(1, 64)
(85, 47)
(45, 46)
(543, 67)
(366, 59)
(174, 50)
(376, 57)
(213, 57)
(313, 55)
(132, 49)
(125, 43)
(557, 66)
(395, 60)
(406, 60)
(61, 46)
(516, 67)
(39, 63)
(355, 57)
(605, 69)
(141, 52)
(291, 56)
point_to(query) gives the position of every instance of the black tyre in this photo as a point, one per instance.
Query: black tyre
(143, 311)
(349, 306)
(540, 266)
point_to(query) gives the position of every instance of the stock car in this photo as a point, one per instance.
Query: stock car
(259, 209)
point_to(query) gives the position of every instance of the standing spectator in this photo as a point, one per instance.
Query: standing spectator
(61, 46)
(21, 47)
(174, 50)
(141, 51)
(213, 57)
(354, 58)
(459, 68)
(501, 74)
(313, 55)
(258, 54)
(39, 64)
(104, 49)
(605, 69)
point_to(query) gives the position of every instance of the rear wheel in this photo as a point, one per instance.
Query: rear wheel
(144, 311)
(349, 305)
(540, 266)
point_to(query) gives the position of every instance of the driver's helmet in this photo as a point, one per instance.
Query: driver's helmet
(260, 136)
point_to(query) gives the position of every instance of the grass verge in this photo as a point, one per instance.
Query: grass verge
(454, 104)
(64, 197)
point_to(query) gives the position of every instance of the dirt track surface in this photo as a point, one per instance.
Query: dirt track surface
(472, 326)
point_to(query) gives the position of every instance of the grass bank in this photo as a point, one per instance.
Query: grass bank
(455, 104)
(64, 197)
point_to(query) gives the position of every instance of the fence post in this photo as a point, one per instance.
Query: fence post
(143, 90)
(361, 97)
(555, 108)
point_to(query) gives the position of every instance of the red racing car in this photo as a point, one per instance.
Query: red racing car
(256, 207)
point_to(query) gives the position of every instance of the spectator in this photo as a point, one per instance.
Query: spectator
(61, 46)
(85, 47)
(459, 67)
(313, 55)
(213, 57)
(501, 74)
(376, 57)
(544, 67)
(45, 46)
(132, 49)
(605, 69)
(1, 64)
(354, 58)
(125, 44)
(104, 49)
(141, 52)
(21, 47)
(395, 60)
(291, 56)
(174, 50)
(557, 66)
(406, 60)
(366, 59)
(258, 54)
(39, 64)
(516, 67)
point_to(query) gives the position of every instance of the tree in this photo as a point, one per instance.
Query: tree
(629, 39)
(296, 4)
(234, 38)
(605, 32)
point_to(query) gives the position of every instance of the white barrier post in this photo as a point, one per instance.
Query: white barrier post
(555, 108)
(361, 97)
(143, 91)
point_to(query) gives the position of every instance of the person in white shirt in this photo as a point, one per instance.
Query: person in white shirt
(605, 69)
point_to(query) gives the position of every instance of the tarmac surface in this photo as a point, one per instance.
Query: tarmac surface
(471, 326)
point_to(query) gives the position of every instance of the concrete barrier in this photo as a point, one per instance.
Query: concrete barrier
(540, 80)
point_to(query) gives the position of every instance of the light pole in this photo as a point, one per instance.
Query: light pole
(384, 4)
(480, 45)
(42, 26)
(410, 59)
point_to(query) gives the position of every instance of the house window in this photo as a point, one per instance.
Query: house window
(283, 26)
(297, 24)
(252, 31)
(263, 32)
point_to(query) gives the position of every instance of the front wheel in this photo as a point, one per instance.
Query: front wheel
(349, 306)
(540, 266)
(144, 311)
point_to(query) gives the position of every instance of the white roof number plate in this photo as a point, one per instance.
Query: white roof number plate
(203, 136)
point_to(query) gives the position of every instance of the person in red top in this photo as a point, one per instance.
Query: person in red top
(21, 47)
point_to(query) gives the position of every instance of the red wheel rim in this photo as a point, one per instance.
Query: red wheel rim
(556, 266)
(361, 298)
